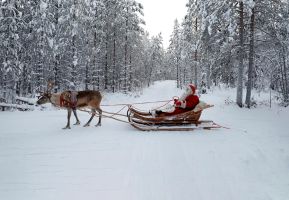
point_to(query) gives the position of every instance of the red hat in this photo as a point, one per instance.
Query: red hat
(192, 88)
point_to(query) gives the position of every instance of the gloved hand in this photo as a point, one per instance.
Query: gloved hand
(178, 103)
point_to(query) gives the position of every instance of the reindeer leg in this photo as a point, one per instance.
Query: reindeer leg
(99, 117)
(75, 115)
(68, 119)
(92, 115)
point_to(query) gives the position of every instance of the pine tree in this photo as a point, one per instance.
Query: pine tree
(174, 52)
(251, 57)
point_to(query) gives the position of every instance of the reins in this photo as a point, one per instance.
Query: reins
(113, 114)
(139, 103)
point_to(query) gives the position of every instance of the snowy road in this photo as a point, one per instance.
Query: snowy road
(39, 160)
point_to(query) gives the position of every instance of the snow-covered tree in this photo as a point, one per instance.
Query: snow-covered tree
(236, 42)
(156, 58)
(174, 52)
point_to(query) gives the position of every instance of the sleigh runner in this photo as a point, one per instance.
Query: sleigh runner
(189, 120)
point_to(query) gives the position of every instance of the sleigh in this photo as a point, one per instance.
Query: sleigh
(187, 121)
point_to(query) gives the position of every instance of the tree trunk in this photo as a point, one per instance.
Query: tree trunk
(196, 68)
(95, 64)
(56, 56)
(151, 71)
(130, 73)
(241, 56)
(106, 65)
(196, 57)
(56, 73)
(86, 76)
(285, 79)
(126, 54)
(74, 52)
(74, 63)
(251, 59)
(114, 64)
(208, 76)
(178, 74)
(208, 71)
(184, 76)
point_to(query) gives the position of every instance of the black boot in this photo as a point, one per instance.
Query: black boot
(158, 112)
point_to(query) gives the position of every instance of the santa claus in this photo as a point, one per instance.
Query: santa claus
(186, 102)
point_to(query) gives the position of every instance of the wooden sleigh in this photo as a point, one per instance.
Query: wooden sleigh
(186, 121)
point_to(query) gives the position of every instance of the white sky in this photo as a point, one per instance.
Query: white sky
(159, 16)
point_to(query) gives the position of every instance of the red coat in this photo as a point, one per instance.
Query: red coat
(189, 103)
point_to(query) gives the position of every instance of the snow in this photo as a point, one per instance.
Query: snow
(28, 100)
(39, 160)
(43, 6)
(250, 3)
(23, 106)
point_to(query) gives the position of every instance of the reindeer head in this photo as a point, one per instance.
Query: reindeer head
(45, 96)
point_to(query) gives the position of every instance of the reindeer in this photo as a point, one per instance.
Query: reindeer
(88, 98)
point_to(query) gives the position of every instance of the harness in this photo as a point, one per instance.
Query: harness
(66, 99)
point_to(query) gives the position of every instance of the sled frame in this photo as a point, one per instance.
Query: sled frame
(187, 121)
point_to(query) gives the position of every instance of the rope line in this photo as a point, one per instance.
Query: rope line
(139, 103)
(162, 105)
(112, 115)
(120, 120)
(118, 113)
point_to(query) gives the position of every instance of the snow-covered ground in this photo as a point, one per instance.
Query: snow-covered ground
(249, 161)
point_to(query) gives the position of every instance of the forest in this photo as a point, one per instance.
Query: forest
(103, 45)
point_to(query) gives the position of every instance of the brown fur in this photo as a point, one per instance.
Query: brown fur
(88, 98)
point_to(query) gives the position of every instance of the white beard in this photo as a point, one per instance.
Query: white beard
(185, 94)
(171, 108)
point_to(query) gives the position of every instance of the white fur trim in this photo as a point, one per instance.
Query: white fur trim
(201, 105)
(183, 104)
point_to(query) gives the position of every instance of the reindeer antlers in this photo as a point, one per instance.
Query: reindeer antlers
(50, 85)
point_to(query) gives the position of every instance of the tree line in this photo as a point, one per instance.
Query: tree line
(239, 43)
(79, 44)
(102, 45)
